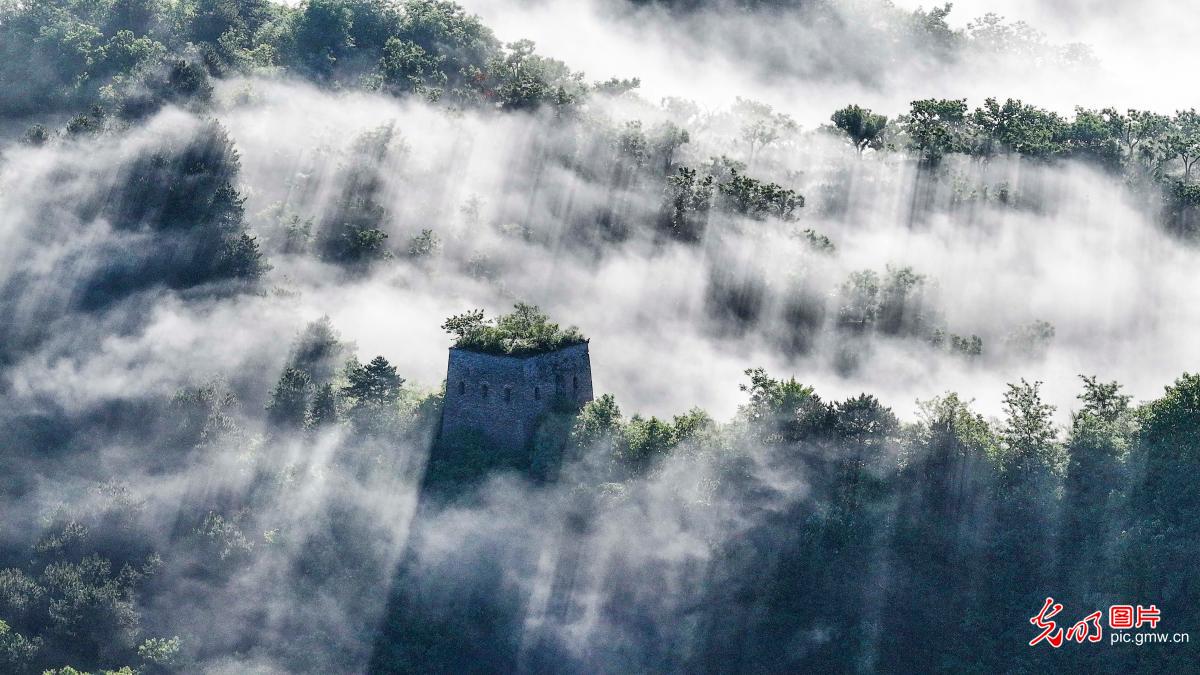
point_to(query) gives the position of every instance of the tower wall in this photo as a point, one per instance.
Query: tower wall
(505, 397)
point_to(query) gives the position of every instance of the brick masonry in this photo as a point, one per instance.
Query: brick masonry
(505, 397)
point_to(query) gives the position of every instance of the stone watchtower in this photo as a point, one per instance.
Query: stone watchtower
(504, 397)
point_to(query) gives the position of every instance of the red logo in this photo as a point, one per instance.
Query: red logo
(1089, 628)
(1147, 615)
(1120, 617)
(1050, 631)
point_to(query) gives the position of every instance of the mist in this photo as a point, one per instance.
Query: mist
(917, 430)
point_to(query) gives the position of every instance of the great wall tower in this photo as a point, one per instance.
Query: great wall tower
(502, 397)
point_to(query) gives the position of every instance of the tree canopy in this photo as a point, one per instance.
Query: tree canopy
(523, 332)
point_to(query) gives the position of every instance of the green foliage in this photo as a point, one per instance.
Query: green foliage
(1182, 212)
(519, 79)
(139, 55)
(893, 305)
(241, 259)
(324, 409)
(615, 86)
(758, 199)
(1017, 127)
(644, 442)
(524, 331)
(407, 68)
(204, 415)
(862, 127)
(351, 233)
(160, 654)
(949, 420)
(1090, 137)
(187, 195)
(223, 537)
(319, 351)
(598, 423)
(688, 200)
(91, 605)
(36, 136)
(761, 127)
(289, 404)
(935, 127)
(694, 425)
(16, 651)
(1170, 441)
(374, 393)
(816, 241)
(1182, 141)
(665, 141)
(424, 245)
(1028, 436)
(180, 80)
(970, 346)
(20, 594)
(374, 384)
(68, 670)
(1101, 436)
(783, 411)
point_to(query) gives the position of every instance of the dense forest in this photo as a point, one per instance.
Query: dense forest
(237, 237)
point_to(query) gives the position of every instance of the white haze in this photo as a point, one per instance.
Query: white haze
(1091, 262)
(1115, 288)
(1145, 50)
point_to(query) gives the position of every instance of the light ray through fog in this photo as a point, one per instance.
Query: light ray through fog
(138, 405)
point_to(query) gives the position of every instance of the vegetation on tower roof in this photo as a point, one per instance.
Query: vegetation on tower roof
(523, 332)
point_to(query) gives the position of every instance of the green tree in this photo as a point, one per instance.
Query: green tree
(289, 403)
(665, 140)
(760, 126)
(324, 411)
(1028, 436)
(525, 330)
(940, 528)
(374, 384)
(1136, 127)
(644, 442)
(1016, 127)
(160, 655)
(783, 411)
(758, 199)
(319, 351)
(1182, 141)
(862, 127)
(407, 68)
(1089, 136)
(424, 245)
(1157, 548)
(16, 651)
(1101, 436)
(519, 79)
(935, 128)
(598, 422)
(350, 234)
(688, 199)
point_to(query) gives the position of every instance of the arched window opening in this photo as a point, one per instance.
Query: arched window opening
(537, 393)
(508, 394)
(575, 384)
(483, 390)
(462, 387)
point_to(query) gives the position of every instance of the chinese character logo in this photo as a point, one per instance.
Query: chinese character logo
(1090, 628)
(1086, 629)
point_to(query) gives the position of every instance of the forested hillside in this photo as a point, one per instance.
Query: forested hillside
(880, 381)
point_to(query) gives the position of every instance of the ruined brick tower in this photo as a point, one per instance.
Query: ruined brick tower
(505, 397)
